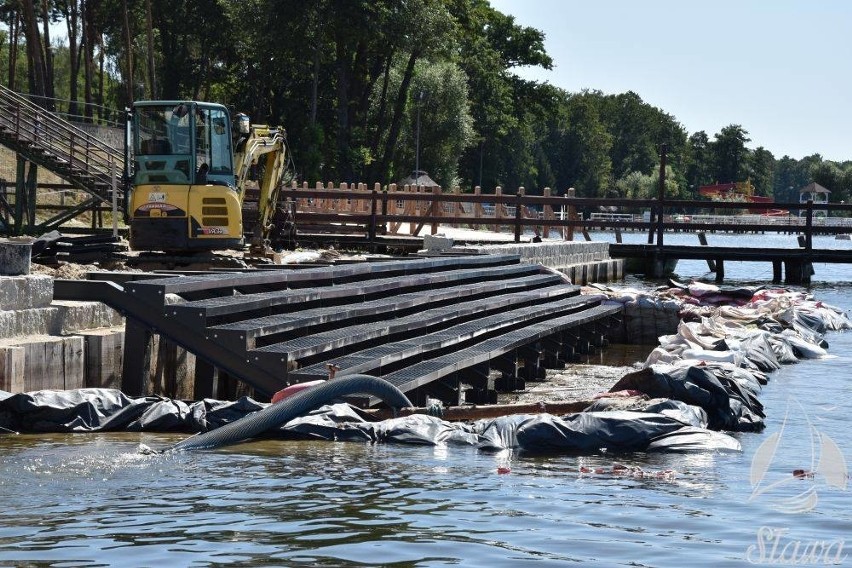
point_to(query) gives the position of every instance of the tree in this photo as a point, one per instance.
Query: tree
(761, 170)
(730, 154)
(507, 110)
(38, 75)
(827, 174)
(586, 146)
(446, 128)
(790, 176)
(699, 161)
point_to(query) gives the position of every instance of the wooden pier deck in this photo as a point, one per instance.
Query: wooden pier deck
(796, 262)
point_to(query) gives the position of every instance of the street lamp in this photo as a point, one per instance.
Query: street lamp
(417, 139)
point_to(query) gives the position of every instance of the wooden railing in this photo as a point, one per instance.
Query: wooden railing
(389, 209)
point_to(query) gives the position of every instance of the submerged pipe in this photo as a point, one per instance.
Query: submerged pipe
(282, 412)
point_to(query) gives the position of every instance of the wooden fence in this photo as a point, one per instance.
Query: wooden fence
(394, 210)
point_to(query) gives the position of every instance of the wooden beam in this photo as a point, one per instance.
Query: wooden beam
(477, 412)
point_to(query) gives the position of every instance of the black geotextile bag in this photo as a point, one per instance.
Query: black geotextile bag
(593, 432)
(93, 410)
(728, 406)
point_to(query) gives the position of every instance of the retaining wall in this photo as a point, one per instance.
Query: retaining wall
(43, 344)
(583, 262)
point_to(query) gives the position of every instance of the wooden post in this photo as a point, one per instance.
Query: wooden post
(437, 207)
(374, 204)
(498, 209)
(206, 379)
(137, 358)
(384, 208)
(570, 214)
(518, 210)
(477, 207)
(327, 205)
(711, 264)
(720, 270)
(809, 225)
(547, 214)
(457, 206)
(661, 195)
(415, 210)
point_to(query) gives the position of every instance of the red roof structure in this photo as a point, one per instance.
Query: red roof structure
(739, 191)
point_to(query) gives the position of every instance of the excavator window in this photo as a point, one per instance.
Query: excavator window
(172, 142)
(213, 146)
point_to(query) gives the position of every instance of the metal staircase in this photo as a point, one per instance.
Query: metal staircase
(44, 139)
(435, 326)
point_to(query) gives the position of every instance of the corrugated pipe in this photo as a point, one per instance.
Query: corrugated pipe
(282, 412)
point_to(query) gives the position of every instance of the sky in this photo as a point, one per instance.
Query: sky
(779, 68)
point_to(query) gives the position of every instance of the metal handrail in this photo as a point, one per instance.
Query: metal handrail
(67, 144)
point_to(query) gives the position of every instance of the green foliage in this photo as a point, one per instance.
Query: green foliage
(345, 79)
(730, 154)
(637, 185)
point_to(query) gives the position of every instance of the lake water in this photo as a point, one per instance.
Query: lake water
(71, 500)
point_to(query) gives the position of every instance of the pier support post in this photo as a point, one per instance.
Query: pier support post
(776, 271)
(711, 264)
(137, 358)
(720, 269)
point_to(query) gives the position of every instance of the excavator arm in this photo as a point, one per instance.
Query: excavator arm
(264, 146)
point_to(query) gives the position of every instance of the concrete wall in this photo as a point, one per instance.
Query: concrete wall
(583, 262)
(41, 344)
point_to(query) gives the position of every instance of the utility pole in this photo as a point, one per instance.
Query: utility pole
(417, 141)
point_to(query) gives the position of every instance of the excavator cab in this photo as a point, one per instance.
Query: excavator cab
(183, 191)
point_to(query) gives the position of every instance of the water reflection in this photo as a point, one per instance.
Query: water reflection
(92, 499)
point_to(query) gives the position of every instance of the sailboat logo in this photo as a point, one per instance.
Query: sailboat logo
(796, 491)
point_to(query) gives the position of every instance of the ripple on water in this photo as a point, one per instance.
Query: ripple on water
(92, 499)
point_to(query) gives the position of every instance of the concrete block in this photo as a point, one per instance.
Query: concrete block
(15, 257)
(12, 369)
(77, 316)
(104, 349)
(35, 321)
(24, 292)
(437, 243)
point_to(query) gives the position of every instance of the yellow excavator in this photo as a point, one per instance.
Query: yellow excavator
(189, 172)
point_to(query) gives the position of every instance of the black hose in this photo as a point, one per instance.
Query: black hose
(282, 412)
